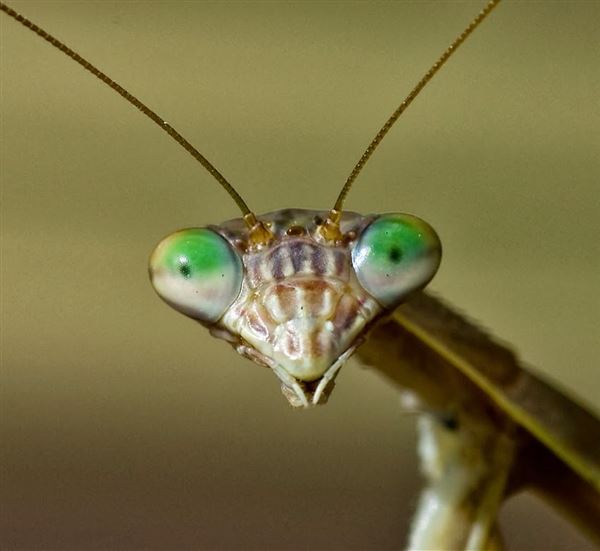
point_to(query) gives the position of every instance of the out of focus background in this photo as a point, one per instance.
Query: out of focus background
(124, 424)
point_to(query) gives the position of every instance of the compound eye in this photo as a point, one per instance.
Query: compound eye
(197, 272)
(396, 255)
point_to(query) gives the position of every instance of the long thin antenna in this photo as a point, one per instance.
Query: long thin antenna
(164, 125)
(413, 94)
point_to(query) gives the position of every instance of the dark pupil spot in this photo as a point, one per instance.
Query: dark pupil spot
(395, 255)
(450, 422)
(185, 271)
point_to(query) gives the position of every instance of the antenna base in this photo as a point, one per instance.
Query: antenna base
(259, 233)
(330, 229)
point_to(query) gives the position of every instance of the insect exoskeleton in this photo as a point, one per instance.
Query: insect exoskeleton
(301, 303)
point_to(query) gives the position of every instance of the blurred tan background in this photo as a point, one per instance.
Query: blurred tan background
(124, 424)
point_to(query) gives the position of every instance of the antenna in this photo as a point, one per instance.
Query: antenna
(259, 234)
(330, 228)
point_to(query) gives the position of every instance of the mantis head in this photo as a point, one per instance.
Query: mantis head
(299, 304)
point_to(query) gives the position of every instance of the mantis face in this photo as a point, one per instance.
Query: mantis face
(300, 304)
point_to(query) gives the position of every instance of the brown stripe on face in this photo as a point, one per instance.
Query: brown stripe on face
(296, 257)
(300, 299)
(290, 344)
(275, 262)
(341, 265)
(318, 261)
(320, 343)
(317, 298)
(345, 313)
(280, 301)
(257, 322)
(297, 254)
(253, 270)
(304, 346)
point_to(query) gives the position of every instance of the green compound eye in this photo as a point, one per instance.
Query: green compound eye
(396, 255)
(197, 272)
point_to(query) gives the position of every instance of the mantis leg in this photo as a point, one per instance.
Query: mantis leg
(466, 468)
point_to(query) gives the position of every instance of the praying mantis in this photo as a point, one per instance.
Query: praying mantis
(284, 187)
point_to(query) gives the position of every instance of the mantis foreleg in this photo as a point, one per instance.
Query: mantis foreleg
(466, 468)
